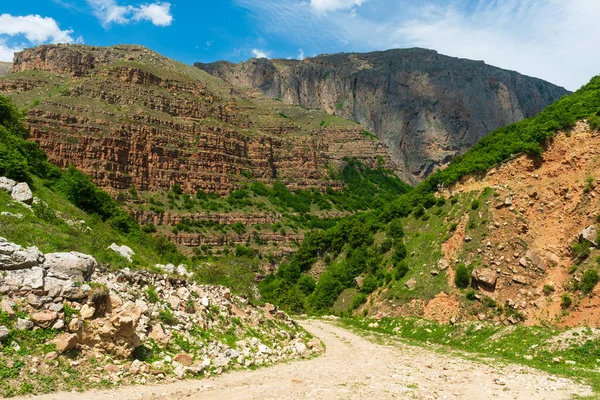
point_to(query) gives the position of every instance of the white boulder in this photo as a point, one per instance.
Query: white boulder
(123, 251)
(22, 193)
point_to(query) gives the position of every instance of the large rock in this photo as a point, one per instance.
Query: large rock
(65, 341)
(123, 251)
(115, 334)
(44, 319)
(13, 256)
(6, 184)
(589, 234)
(71, 266)
(32, 278)
(485, 278)
(22, 193)
(537, 261)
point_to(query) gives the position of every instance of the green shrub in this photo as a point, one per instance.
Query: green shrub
(151, 294)
(471, 295)
(166, 316)
(580, 250)
(565, 300)
(589, 280)
(400, 270)
(369, 284)
(462, 279)
(358, 301)
(548, 289)
(475, 204)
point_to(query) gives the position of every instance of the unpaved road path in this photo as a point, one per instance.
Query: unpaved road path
(356, 368)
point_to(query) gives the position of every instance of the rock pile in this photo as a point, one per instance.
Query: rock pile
(167, 325)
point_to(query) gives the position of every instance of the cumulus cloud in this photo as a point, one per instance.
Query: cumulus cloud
(550, 39)
(301, 55)
(18, 32)
(256, 53)
(158, 13)
(109, 12)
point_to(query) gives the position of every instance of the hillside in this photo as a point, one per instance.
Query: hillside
(515, 243)
(181, 148)
(426, 107)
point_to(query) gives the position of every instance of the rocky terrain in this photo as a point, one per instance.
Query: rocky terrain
(520, 243)
(130, 117)
(5, 68)
(66, 323)
(135, 120)
(425, 106)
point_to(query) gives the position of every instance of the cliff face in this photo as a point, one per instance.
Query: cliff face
(426, 107)
(129, 117)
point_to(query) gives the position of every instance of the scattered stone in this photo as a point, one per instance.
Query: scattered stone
(589, 234)
(435, 272)
(411, 283)
(87, 312)
(485, 278)
(24, 324)
(123, 251)
(443, 264)
(71, 266)
(44, 319)
(184, 359)
(7, 185)
(520, 279)
(22, 193)
(4, 332)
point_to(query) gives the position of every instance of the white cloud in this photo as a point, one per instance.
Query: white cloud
(18, 32)
(158, 13)
(301, 54)
(550, 39)
(35, 28)
(109, 11)
(256, 53)
(334, 5)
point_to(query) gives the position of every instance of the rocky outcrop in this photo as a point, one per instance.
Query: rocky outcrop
(426, 107)
(5, 68)
(197, 329)
(128, 116)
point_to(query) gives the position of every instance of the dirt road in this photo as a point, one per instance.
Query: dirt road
(356, 368)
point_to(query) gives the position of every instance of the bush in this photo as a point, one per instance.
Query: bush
(401, 270)
(471, 295)
(358, 301)
(580, 250)
(548, 289)
(166, 316)
(565, 300)
(462, 279)
(475, 204)
(395, 230)
(369, 284)
(589, 280)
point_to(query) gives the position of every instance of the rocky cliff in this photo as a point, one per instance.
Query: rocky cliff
(135, 120)
(130, 117)
(425, 106)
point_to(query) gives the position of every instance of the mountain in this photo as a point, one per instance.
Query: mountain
(425, 106)
(507, 233)
(181, 148)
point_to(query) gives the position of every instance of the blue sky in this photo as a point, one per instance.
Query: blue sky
(552, 39)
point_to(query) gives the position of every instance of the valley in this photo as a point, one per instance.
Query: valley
(175, 231)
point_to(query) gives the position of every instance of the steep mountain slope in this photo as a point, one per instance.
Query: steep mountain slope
(512, 242)
(169, 139)
(425, 106)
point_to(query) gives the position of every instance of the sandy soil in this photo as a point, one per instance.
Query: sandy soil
(356, 368)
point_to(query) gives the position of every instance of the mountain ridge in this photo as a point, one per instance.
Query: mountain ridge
(427, 107)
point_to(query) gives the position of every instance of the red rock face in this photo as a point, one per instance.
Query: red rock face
(130, 117)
